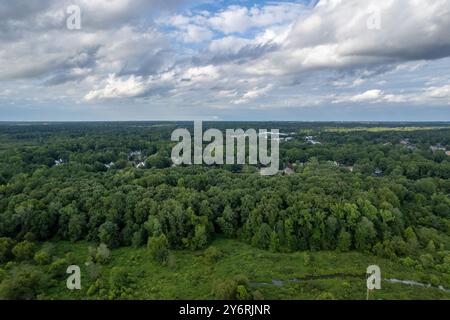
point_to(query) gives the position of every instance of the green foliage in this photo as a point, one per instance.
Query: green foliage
(236, 288)
(6, 246)
(159, 248)
(123, 205)
(306, 259)
(333, 201)
(262, 237)
(242, 293)
(108, 233)
(119, 282)
(227, 222)
(58, 268)
(23, 283)
(365, 234)
(200, 239)
(42, 258)
(325, 296)
(212, 254)
(103, 254)
(24, 250)
(344, 241)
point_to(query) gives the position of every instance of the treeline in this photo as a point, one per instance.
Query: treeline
(334, 201)
(319, 208)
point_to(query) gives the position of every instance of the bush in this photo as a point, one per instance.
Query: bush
(325, 296)
(225, 290)
(242, 293)
(22, 284)
(257, 295)
(6, 245)
(42, 258)
(233, 289)
(159, 248)
(3, 274)
(58, 268)
(24, 250)
(109, 234)
(344, 241)
(94, 270)
(103, 254)
(408, 262)
(119, 284)
(426, 260)
(118, 278)
(212, 254)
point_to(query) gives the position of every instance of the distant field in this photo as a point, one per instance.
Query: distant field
(385, 129)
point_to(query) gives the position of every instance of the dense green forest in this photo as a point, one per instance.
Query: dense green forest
(106, 196)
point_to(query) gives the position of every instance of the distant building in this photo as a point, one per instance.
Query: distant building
(288, 171)
(59, 162)
(140, 165)
(378, 172)
(312, 140)
(109, 165)
(135, 155)
(404, 142)
(438, 147)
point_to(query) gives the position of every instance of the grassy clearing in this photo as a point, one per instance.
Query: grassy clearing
(190, 275)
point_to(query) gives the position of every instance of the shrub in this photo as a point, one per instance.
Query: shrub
(159, 248)
(109, 234)
(344, 241)
(94, 270)
(42, 258)
(6, 245)
(242, 293)
(232, 289)
(325, 296)
(426, 260)
(24, 250)
(119, 283)
(22, 284)
(103, 254)
(212, 254)
(58, 268)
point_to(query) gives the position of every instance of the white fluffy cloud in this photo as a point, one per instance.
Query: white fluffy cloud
(368, 96)
(253, 94)
(340, 52)
(119, 88)
(338, 35)
(430, 95)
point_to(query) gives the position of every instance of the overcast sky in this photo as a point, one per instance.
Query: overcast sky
(225, 60)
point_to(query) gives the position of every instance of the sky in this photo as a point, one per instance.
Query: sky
(327, 60)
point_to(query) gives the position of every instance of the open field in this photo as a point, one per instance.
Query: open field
(191, 275)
